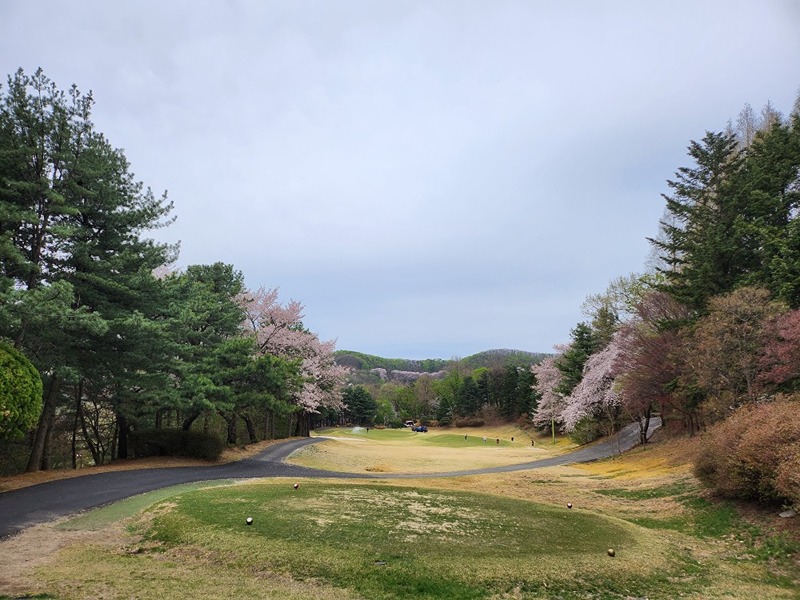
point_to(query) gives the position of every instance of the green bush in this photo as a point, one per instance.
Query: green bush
(14, 454)
(20, 393)
(175, 442)
(395, 423)
(203, 445)
(586, 430)
(754, 454)
(156, 442)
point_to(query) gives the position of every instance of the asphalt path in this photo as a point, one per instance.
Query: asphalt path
(55, 499)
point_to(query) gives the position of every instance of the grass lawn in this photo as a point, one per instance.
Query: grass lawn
(355, 450)
(506, 535)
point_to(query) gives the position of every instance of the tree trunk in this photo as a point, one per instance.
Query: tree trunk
(269, 425)
(113, 450)
(93, 448)
(122, 439)
(644, 425)
(251, 430)
(78, 403)
(232, 438)
(45, 426)
(302, 428)
(187, 422)
(159, 418)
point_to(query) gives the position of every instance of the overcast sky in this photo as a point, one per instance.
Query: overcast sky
(431, 179)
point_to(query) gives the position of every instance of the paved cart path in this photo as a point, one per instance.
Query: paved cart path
(54, 499)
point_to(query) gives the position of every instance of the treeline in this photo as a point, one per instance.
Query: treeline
(715, 325)
(502, 358)
(122, 343)
(462, 397)
(365, 362)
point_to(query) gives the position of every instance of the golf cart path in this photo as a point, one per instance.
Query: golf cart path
(48, 501)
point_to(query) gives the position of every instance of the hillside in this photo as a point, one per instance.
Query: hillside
(503, 358)
(366, 362)
(368, 368)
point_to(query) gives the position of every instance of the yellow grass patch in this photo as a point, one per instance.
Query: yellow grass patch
(354, 454)
(116, 570)
(667, 458)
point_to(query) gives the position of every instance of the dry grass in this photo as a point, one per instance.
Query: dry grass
(106, 567)
(439, 450)
(81, 564)
(674, 458)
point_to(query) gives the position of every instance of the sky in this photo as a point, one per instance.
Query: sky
(431, 179)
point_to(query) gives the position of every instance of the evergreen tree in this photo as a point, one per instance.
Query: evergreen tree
(71, 257)
(468, 401)
(699, 243)
(574, 358)
(361, 405)
(202, 317)
(770, 197)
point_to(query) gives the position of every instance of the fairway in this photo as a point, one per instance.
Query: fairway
(504, 535)
(354, 450)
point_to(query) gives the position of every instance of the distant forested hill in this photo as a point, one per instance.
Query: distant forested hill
(365, 363)
(502, 358)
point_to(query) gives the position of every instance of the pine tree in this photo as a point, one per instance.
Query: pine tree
(573, 360)
(72, 261)
(699, 243)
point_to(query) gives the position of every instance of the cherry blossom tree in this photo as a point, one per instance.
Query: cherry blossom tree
(596, 395)
(278, 330)
(551, 404)
(650, 362)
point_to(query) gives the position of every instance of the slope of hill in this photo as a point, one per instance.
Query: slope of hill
(368, 368)
(503, 358)
(366, 362)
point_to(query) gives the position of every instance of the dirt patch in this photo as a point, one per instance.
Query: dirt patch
(38, 546)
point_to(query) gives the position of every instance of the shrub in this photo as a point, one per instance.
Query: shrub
(175, 442)
(203, 445)
(787, 479)
(755, 453)
(14, 454)
(395, 423)
(586, 430)
(156, 442)
(715, 464)
(469, 422)
(20, 393)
